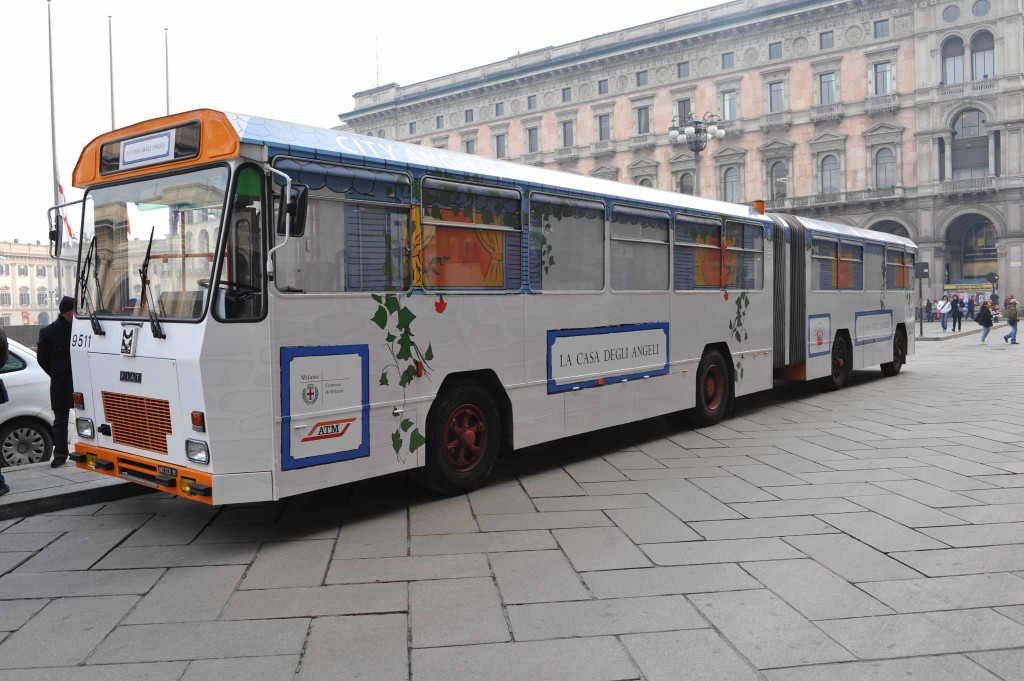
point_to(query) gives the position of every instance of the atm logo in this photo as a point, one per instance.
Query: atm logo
(325, 430)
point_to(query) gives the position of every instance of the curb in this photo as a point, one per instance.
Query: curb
(70, 499)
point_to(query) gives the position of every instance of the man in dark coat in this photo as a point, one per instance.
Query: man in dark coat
(54, 355)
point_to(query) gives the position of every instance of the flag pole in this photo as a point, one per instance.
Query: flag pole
(53, 144)
(167, 74)
(110, 41)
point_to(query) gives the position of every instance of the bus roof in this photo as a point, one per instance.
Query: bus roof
(332, 145)
(846, 230)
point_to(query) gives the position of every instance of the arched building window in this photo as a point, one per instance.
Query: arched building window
(779, 181)
(731, 185)
(830, 175)
(953, 61)
(686, 183)
(645, 182)
(885, 169)
(983, 56)
(970, 146)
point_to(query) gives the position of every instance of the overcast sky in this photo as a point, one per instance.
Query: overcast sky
(297, 60)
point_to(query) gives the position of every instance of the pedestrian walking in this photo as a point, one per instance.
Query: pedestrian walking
(985, 319)
(1012, 317)
(4, 488)
(928, 310)
(54, 355)
(970, 307)
(956, 313)
(944, 308)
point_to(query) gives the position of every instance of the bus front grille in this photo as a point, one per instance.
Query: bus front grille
(140, 422)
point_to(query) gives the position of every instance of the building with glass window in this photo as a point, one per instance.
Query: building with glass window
(28, 284)
(905, 117)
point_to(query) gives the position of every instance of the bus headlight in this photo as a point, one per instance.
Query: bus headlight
(85, 428)
(197, 451)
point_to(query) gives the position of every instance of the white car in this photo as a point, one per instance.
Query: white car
(26, 419)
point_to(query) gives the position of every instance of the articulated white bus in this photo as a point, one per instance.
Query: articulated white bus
(266, 309)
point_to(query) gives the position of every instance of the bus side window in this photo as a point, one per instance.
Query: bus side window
(240, 287)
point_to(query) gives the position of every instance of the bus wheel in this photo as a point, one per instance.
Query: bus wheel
(899, 355)
(463, 439)
(840, 365)
(712, 390)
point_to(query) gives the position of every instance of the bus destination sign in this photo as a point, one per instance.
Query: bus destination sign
(147, 150)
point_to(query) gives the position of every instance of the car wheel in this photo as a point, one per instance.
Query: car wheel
(24, 441)
(463, 439)
(713, 390)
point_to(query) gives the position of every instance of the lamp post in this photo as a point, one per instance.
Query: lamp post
(696, 133)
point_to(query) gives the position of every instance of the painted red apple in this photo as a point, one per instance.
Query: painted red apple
(726, 295)
(440, 305)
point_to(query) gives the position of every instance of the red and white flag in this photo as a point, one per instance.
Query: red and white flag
(63, 215)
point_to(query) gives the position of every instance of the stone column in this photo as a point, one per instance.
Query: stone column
(991, 153)
(949, 156)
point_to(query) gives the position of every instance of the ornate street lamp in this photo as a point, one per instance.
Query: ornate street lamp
(696, 133)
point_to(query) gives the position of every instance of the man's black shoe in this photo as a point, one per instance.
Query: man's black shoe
(4, 489)
(57, 462)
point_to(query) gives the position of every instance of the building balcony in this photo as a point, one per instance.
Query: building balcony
(983, 85)
(641, 142)
(776, 121)
(533, 159)
(873, 195)
(567, 154)
(827, 199)
(978, 185)
(880, 104)
(776, 205)
(952, 90)
(823, 113)
(602, 148)
(731, 126)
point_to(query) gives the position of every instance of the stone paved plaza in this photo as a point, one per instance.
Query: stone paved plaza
(874, 533)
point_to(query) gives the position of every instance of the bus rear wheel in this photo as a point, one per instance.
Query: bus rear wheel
(712, 390)
(463, 439)
(899, 355)
(842, 365)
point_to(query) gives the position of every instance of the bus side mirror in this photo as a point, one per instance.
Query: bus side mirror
(295, 206)
(56, 238)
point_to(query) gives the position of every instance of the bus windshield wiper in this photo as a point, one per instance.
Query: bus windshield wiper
(83, 288)
(154, 320)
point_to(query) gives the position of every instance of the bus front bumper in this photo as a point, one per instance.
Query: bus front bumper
(183, 482)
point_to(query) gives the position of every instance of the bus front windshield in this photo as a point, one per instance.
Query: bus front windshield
(183, 213)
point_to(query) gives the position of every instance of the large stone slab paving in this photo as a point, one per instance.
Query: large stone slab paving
(482, 542)
(814, 591)
(542, 521)
(407, 568)
(81, 583)
(77, 550)
(930, 633)
(152, 671)
(179, 526)
(947, 562)
(276, 668)
(949, 593)
(851, 559)
(662, 581)
(374, 533)
(720, 551)
(190, 555)
(732, 490)
(202, 640)
(536, 577)
(25, 541)
(701, 655)
(776, 509)
(577, 659)
(190, 594)
(502, 498)
(880, 532)
(600, 548)
(939, 668)
(284, 564)
(601, 617)
(906, 511)
(693, 504)
(761, 527)
(356, 648)
(13, 614)
(651, 525)
(1006, 664)
(767, 631)
(455, 612)
(64, 632)
(317, 601)
(609, 501)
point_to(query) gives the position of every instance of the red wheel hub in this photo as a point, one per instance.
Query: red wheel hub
(838, 364)
(465, 438)
(714, 387)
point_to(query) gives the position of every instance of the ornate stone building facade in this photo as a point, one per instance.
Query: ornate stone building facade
(28, 284)
(894, 115)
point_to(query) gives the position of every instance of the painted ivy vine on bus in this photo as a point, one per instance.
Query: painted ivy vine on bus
(396, 319)
(736, 328)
